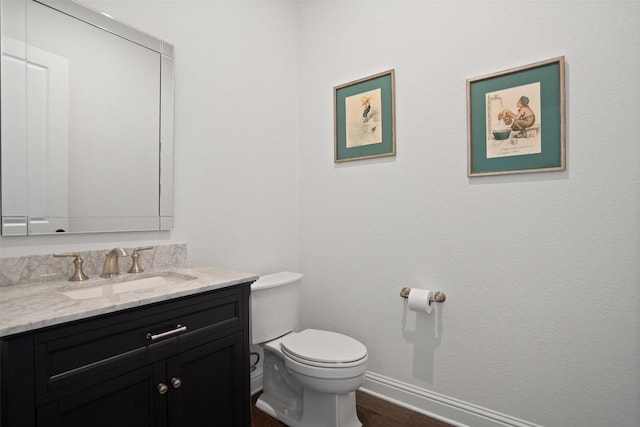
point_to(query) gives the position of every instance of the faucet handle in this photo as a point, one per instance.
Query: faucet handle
(78, 274)
(135, 266)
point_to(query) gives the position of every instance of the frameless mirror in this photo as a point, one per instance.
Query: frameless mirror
(87, 122)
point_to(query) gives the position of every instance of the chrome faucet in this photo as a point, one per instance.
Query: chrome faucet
(110, 267)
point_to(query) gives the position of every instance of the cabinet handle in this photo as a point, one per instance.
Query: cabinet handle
(176, 382)
(162, 388)
(179, 328)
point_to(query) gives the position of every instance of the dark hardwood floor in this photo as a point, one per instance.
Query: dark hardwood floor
(372, 411)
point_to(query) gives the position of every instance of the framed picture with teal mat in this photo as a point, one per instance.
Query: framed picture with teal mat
(365, 118)
(515, 120)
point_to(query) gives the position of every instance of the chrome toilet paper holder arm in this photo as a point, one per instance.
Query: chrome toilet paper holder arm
(438, 296)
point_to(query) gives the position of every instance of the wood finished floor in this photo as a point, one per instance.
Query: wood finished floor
(372, 411)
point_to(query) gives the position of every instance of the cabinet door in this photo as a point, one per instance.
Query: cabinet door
(130, 400)
(211, 390)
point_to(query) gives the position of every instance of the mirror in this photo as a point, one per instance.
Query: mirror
(87, 122)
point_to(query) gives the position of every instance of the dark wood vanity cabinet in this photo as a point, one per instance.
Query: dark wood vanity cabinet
(184, 362)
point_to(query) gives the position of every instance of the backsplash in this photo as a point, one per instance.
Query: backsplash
(44, 268)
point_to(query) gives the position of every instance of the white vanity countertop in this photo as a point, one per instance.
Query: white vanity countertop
(36, 305)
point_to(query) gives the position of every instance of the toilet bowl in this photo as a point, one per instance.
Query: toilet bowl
(309, 377)
(325, 361)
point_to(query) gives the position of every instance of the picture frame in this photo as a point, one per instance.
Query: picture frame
(516, 120)
(364, 118)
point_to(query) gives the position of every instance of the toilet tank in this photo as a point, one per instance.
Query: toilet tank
(274, 302)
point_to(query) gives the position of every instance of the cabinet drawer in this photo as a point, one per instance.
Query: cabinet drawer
(86, 352)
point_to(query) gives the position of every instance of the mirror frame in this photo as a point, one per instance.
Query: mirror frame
(23, 225)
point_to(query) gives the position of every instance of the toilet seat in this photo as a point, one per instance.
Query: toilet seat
(324, 349)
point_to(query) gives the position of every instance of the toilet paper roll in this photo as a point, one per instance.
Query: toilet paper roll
(419, 300)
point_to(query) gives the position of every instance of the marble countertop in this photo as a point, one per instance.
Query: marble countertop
(36, 305)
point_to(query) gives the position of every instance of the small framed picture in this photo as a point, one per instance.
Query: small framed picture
(365, 118)
(515, 120)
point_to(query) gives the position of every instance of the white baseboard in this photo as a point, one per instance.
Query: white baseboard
(452, 411)
(435, 405)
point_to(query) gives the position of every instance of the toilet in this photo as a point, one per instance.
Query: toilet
(309, 377)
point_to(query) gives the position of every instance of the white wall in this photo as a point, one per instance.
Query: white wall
(541, 271)
(236, 193)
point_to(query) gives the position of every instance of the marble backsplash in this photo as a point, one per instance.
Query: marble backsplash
(44, 268)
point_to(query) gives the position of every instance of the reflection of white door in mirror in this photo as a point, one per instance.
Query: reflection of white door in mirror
(48, 139)
(44, 168)
(14, 144)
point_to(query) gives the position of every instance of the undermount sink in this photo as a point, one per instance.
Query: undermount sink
(138, 284)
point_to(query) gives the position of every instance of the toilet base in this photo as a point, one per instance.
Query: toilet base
(328, 410)
(319, 410)
(281, 394)
(277, 410)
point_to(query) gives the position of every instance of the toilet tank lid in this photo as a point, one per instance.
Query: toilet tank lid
(276, 279)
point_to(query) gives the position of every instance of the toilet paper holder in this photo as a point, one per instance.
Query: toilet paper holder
(438, 296)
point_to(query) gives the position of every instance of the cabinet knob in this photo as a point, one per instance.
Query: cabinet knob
(176, 382)
(162, 388)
